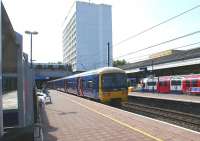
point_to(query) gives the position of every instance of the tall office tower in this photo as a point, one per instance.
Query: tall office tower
(87, 36)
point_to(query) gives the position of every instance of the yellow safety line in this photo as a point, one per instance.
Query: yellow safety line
(117, 121)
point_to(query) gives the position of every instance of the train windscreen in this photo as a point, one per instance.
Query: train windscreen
(114, 82)
(176, 82)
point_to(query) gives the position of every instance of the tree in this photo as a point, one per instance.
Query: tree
(119, 63)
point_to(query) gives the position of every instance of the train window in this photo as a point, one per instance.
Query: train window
(176, 82)
(163, 83)
(151, 83)
(172, 82)
(187, 83)
(194, 83)
(84, 84)
(90, 84)
(160, 83)
(114, 81)
(132, 81)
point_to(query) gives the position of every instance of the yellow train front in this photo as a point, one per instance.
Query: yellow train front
(108, 84)
(113, 85)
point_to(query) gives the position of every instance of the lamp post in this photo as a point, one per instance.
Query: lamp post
(108, 54)
(31, 33)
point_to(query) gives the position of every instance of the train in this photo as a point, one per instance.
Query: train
(180, 84)
(107, 85)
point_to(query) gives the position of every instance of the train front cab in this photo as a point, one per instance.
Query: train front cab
(152, 84)
(113, 87)
(176, 86)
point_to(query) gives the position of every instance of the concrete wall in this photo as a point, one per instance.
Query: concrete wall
(9, 45)
(16, 69)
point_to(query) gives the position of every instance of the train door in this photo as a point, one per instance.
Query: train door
(186, 85)
(164, 84)
(195, 86)
(80, 87)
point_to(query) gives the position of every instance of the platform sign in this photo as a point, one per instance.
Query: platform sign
(1, 99)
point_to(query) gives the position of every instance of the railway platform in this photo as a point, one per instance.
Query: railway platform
(173, 97)
(77, 119)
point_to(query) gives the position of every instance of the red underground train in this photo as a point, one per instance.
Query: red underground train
(185, 84)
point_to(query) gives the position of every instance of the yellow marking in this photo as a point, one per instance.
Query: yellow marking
(100, 87)
(117, 121)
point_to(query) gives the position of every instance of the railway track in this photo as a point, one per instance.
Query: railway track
(186, 120)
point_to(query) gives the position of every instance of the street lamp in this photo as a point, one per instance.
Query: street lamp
(108, 54)
(31, 33)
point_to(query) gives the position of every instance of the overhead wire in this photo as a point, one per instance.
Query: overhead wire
(161, 43)
(191, 44)
(152, 27)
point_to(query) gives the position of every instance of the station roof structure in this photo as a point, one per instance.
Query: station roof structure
(174, 59)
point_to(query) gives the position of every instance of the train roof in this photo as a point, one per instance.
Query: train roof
(192, 76)
(93, 72)
(165, 78)
(99, 71)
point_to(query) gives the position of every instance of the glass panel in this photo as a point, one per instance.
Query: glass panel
(163, 83)
(115, 81)
(194, 83)
(176, 82)
(187, 83)
(151, 83)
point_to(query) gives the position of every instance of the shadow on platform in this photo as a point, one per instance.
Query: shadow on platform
(47, 128)
(61, 112)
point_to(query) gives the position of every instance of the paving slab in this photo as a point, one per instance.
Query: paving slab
(175, 97)
(77, 119)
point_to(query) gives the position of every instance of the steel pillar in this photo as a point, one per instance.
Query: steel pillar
(1, 101)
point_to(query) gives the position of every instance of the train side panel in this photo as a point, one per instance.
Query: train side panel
(59, 85)
(71, 86)
(90, 86)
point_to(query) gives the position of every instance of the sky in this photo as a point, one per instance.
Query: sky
(129, 17)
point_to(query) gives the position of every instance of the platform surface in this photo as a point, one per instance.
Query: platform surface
(176, 97)
(71, 118)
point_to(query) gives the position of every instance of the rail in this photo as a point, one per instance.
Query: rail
(186, 120)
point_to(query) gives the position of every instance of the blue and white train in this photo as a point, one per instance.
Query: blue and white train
(108, 84)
